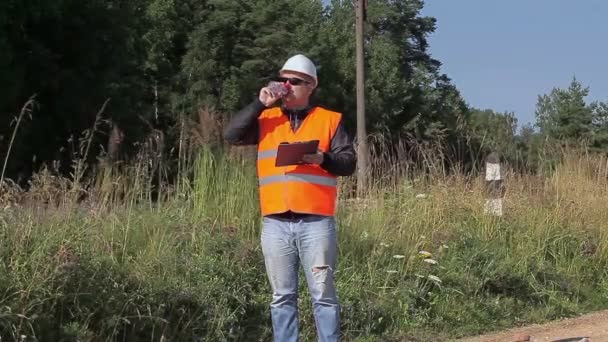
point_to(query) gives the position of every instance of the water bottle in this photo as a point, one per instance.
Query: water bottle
(279, 89)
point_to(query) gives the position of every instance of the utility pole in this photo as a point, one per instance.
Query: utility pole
(362, 152)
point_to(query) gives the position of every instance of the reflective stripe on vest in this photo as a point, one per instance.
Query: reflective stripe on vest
(267, 154)
(299, 177)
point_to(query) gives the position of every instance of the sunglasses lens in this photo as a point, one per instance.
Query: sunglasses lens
(296, 81)
(292, 81)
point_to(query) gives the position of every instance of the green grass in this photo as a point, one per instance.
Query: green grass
(118, 267)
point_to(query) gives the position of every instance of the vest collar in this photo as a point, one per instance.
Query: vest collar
(299, 113)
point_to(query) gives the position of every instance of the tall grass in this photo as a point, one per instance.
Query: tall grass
(26, 111)
(418, 260)
(225, 190)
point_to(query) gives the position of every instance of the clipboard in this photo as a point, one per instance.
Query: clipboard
(291, 154)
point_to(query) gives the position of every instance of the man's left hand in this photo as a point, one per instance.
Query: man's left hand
(313, 158)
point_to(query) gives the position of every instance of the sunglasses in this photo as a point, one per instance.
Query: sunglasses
(292, 80)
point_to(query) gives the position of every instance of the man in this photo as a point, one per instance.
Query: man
(298, 202)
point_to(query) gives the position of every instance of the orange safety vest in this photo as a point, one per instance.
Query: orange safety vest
(300, 188)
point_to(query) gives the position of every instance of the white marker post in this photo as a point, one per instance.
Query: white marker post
(494, 186)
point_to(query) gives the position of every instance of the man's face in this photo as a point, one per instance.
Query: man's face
(302, 87)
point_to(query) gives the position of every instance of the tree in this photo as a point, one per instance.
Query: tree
(238, 45)
(160, 59)
(564, 115)
(600, 125)
(73, 55)
(406, 96)
(494, 131)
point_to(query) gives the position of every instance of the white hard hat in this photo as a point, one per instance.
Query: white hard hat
(301, 64)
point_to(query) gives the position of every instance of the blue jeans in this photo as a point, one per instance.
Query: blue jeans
(312, 242)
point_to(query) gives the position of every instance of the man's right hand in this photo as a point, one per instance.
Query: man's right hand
(267, 97)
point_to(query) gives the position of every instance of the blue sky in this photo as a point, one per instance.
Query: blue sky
(502, 54)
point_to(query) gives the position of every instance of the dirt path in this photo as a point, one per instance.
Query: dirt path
(593, 326)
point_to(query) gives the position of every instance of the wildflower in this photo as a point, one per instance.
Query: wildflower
(435, 279)
(425, 254)
(398, 256)
(430, 261)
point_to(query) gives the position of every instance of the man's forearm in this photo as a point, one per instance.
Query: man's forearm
(340, 164)
(341, 160)
(243, 128)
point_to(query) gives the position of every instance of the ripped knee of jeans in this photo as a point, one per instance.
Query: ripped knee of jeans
(321, 273)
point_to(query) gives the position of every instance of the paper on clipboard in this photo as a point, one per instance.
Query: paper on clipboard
(291, 153)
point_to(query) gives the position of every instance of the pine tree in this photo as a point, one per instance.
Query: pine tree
(563, 114)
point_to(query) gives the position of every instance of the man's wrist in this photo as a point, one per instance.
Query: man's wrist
(326, 160)
(258, 106)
